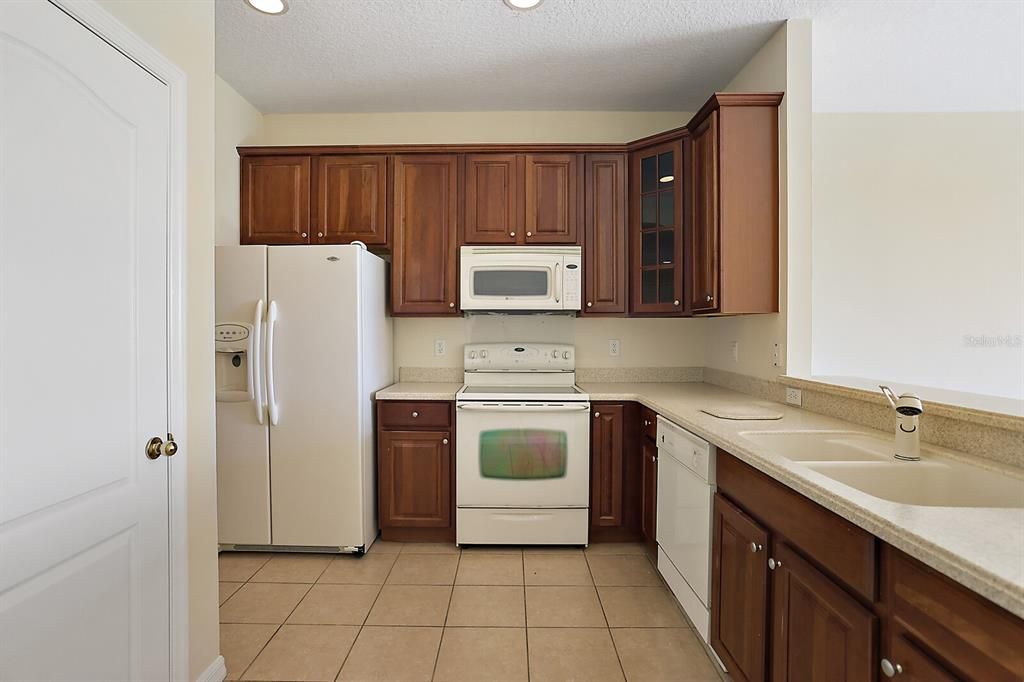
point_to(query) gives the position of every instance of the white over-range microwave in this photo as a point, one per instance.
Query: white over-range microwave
(521, 278)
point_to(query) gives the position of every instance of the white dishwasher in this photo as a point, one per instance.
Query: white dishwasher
(686, 488)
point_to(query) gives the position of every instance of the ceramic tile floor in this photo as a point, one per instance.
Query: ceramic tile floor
(412, 612)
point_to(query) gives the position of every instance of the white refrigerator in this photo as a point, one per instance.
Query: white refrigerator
(303, 342)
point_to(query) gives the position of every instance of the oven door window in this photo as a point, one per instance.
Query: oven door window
(523, 454)
(511, 282)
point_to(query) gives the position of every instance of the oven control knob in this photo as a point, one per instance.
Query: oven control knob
(483, 355)
(472, 355)
(554, 354)
(565, 355)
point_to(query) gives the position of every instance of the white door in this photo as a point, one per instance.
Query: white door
(313, 356)
(84, 588)
(522, 454)
(243, 430)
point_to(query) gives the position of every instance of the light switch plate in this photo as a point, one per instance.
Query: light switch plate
(440, 348)
(613, 347)
(794, 396)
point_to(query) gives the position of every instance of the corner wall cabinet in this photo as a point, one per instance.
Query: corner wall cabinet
(683, 222)
(800, 593)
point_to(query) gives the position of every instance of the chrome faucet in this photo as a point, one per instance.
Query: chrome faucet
(908, 408)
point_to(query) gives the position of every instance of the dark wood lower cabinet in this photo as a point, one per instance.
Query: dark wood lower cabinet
(739, 591)
(649, 495)
(415, 472)
(819, 632)
(615, 473)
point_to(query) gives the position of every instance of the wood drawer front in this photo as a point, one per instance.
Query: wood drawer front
(842, 549)
(412, 415)
(649, 423)
(969, 634)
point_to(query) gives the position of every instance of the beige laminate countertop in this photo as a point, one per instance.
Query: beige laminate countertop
(981, 548)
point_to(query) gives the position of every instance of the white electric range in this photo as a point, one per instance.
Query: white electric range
(522, 447)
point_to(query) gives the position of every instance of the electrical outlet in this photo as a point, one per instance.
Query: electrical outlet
(613, 347)
(794, 396)
(776, 355)
(735, 348)
(440, 348)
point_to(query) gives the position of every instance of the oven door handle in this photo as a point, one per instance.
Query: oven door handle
(524, 408)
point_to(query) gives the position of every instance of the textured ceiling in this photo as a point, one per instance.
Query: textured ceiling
(479, 55)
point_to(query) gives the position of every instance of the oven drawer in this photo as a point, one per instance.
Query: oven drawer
(416, 415)
(521, 526)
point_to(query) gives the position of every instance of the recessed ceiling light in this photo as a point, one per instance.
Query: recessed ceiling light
(523, 4)
(666, 178)
(268, 6)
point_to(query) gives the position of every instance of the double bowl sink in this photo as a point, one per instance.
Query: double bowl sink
(866, 463)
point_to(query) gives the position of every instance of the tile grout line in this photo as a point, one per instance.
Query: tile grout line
(526, 616)
(367, 616)
(444, 624)
(608, 626)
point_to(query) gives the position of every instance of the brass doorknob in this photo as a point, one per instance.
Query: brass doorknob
(156, 447)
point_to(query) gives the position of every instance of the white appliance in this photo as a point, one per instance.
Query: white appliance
(522, 447)
(520, 278)
(302, 343)
(686, 488)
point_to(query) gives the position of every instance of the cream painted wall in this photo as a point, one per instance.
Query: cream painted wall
(918, 246)
(183, 31)
(237, 123)
(783, 64)
(468, 127)
(643, 342)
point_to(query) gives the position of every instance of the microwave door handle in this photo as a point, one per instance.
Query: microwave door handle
(558, 283)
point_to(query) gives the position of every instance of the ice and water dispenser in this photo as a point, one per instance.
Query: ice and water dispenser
(235, 362)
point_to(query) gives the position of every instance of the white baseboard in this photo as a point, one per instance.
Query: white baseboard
(215, 673)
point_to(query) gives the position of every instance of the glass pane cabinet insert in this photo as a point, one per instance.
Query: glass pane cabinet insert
(657, 229)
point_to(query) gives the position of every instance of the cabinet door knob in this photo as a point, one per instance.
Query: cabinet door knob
(596, 415)
(755, 548)
(444, 441)
(590, 304)
(774, 563)
(675, 302)
(647, 422)
(319, 234)
(890, 669)
(451, 305)
(529, 234)
(511, 234)
(709, 298)
(415, 414)
(304, 235)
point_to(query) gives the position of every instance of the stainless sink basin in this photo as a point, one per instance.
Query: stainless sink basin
(823, 446)
(929, 483)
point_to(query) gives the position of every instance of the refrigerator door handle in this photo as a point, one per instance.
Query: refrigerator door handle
(256, 361)
(272, 406)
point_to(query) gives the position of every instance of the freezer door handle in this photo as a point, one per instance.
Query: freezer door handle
(272, 406)
(256, 361)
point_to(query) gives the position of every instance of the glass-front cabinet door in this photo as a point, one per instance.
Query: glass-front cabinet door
(656, 229)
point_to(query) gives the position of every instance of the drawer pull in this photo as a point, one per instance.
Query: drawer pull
(890, 669)
(415, 414)
(596, 415)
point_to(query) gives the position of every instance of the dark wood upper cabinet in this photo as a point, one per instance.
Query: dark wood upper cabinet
(415, 479)
(493, 212)
(552, 210)
(656, 229)
(424, 276)
(739, 591)
(352, 199)
(733, 255)
(275, 206)
(702, 251)
(819, 632)
(604, 242)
